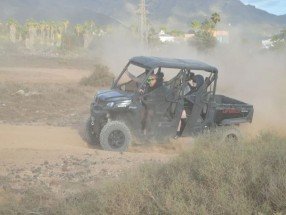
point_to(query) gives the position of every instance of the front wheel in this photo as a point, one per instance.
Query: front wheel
(115, 136)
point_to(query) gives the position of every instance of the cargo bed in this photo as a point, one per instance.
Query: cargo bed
(229, 111)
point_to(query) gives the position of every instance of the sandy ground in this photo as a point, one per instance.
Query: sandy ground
(54, 156)
(41, 75)
(35, 151)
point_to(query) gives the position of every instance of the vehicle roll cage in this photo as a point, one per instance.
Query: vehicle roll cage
(185, 66)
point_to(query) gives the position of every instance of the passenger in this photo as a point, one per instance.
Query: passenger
(194, 84)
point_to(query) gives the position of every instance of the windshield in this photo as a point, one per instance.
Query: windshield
(132, 78)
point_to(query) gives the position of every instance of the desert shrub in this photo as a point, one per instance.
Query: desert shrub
(212, 178)
(37, 200)
(101, 76)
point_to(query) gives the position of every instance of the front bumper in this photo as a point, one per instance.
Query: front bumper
(98, 116)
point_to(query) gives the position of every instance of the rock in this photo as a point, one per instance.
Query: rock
(32, 93)
(19, 92)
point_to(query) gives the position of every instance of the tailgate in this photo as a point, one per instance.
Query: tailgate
(230, 111)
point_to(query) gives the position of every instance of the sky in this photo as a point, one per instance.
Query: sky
(277, 7)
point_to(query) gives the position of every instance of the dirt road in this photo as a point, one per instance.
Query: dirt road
(41, 75)
(58, 158)
(55, 161)
(35, 144)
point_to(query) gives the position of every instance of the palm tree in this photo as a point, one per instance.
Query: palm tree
(60, 29)
(23, 32)
(88, 32)
(66, 25)
(48, 32)
(90, 26)
(42, 28)
(196, 25)
(79, 29)
(53, 29)
(204, 32)
(215, 17)
(32, 32)
(13, 24)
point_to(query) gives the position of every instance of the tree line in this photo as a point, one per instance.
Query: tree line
(64, 35)
(34, 34)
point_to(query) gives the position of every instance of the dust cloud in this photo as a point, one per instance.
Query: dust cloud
(246, 71)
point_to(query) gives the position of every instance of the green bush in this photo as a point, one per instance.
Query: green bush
(100, 77)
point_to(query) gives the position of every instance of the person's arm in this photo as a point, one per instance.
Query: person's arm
(133, 78)
(144, 89)
(188, 89)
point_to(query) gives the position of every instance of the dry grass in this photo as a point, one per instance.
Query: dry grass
(53, 104)
(212, 178)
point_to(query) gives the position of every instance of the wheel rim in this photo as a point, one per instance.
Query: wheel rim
(116, 139)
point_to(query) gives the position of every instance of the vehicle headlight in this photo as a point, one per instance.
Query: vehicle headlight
(123, 104)
(110, 104)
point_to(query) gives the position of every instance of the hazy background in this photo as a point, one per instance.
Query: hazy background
(246, 71)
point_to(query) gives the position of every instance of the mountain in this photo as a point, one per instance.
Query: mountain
(283, 17)
(173, 12)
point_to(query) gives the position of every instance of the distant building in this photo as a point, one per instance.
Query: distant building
(267, 44)
(222, 36)
(189, 35)
(164, 38)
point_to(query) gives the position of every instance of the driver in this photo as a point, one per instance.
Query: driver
(153, 82)
(194, 84)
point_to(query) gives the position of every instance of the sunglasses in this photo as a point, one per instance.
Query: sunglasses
(150, 79)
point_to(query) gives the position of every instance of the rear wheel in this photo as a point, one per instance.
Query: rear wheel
(231, 135)
(115, 136)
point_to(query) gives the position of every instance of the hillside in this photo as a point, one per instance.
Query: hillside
(160, 11)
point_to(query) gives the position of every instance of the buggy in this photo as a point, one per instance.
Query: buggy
(116, 114)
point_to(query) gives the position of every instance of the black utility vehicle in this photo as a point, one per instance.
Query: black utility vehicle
(117, 114)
